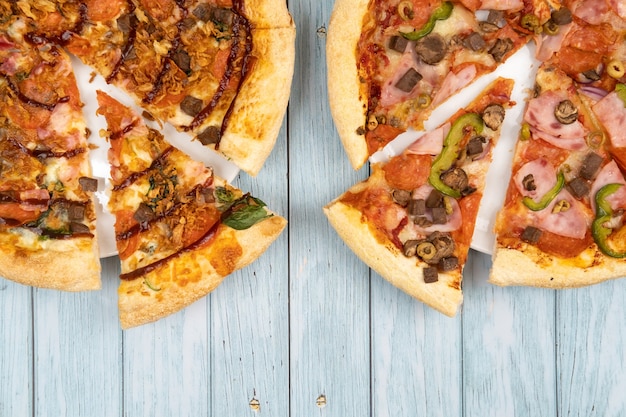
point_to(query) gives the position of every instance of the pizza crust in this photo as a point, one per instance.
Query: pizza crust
(60, 265)
(348, 104)
(193, 275)
(260, 107)
(268, 14)
(405, 273)
(531, 267)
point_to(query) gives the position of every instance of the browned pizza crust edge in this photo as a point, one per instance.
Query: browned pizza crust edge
(268, 14)
(405, 273)
(531, 267)
(193, 275)
(348, 104)
(59, 265)
(262, 102)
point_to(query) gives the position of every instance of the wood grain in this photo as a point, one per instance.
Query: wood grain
(308, 329)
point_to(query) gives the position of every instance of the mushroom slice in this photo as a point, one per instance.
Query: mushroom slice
(432, 48)
(493, 116)
(566, 112)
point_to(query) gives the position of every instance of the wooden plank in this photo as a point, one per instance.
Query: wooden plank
(329, 286)
(591, 363)
(508, 347)
(16, 349)
(250, 314)
(166, 365)
(416, 355)
(77, 350)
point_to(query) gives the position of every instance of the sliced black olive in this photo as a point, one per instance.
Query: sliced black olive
(529, 183)
(565, 112)
(493, 116)
(203, 12)
(182, 59)
(456, 179)
(417, 207)
(431, 275)
(475, 42)
(191, 105)
(563, 16)
(578, 187)
(500, 48)
(401, 197)
(88, 184)
(398, 43)
(209, 136)
(408, 80)
(426, 251)
(590, 166)
(531, 235)
(144, 213)
(475, 145)
(431, 48)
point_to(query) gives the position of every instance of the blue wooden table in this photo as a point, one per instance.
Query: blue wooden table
(308, 329)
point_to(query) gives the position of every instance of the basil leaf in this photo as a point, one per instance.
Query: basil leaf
(246, 214)
(224, 195)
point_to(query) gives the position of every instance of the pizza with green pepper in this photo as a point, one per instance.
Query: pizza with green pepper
(391, 63)
(412, 220)
(180, 229)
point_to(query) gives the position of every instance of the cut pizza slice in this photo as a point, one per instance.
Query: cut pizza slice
(390, 64)
(180, 230)
(412, 221)
(47, 213)
(219, 70)
(562, 221)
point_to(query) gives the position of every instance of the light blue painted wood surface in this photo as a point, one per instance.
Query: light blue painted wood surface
(308, 330)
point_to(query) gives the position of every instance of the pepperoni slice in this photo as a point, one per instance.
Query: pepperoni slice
(380, 136)
(407, 171)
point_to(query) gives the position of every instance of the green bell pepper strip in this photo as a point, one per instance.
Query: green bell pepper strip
(604, 213)
(620, 89)
(450, 151)
(440, 13)
(547, 197)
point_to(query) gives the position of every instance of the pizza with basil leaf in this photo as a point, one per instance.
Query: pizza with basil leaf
(180, 229)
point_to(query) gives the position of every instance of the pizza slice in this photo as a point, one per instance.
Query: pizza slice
(390, 63)
(180, 230)
(219, 70)
(562, 222)
(47, 214)
(412, 221)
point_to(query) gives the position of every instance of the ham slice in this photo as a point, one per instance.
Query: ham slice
(430, 143)
(619, 7)
(540, 116)
(33, 200)
(573, 222)
(610, 174)
(390, 95)
(570, 223)
(592, 11)
(572, 144)
(612, 114)
(547, 45)
(454, 82)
